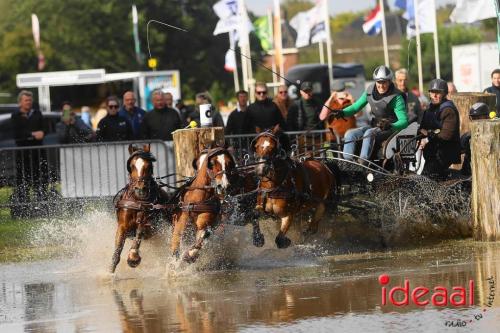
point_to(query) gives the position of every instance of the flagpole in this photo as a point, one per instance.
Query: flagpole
(235, 72)
(419, 49)
(242, 43)
(436, 42)
(273, 60)
(321, 55)
(278, 45)
(384, 33)
(328, 45)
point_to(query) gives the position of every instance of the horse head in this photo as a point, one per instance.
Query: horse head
(220, 167)
(267, 149)
(140, 169)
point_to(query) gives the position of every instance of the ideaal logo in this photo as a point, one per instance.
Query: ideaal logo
(458, 296)
(439, 296)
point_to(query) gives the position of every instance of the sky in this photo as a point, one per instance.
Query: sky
(259, 7)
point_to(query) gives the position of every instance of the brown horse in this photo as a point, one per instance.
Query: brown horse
(288, 187)
(139, 205)
(201, 200)
(337, 101)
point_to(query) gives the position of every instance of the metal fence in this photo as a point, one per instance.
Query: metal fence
(95, 170)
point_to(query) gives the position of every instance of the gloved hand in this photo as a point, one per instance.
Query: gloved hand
(337, 114)
(384, 124)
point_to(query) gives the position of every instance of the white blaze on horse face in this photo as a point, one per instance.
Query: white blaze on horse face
(139, 164)
(222, 161)
(265, 144)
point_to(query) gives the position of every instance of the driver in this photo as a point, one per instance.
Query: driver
(441, 149)
(388, 106)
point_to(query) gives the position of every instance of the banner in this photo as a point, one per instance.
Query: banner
(426, 16)
(310, 25)
(227, 11)
(468, 11)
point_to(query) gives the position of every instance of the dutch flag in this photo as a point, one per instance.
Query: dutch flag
(373, 22)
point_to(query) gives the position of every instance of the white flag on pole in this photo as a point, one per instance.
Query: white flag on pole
(229, 16)
(310, 25)
(468, 11)
(426, 17)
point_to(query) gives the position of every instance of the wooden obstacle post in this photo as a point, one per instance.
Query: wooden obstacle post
(464, 101)
(188, 143)
(485, 163)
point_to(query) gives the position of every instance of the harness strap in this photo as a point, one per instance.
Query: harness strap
(143, 206)
(201, 207)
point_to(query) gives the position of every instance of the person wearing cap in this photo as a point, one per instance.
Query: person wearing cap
(304, 114)
(478, 111)
(442, 148)
(388, 106)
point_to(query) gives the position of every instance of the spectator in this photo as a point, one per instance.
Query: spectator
(495, 87)
(237, 122)
(304, 115)
(85, 115)
(169, 102)
(283, 101)
(71, 128)
(159, 123)
(31, 164)
(132, 113)
(184, 111)
(264, 113)
(205, 98)
(114, 127)
(101, 113)
(452, 89)
(415, 111)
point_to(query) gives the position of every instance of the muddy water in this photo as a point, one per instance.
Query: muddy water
(236, 287)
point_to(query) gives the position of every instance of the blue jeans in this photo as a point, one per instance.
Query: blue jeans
(353, 135)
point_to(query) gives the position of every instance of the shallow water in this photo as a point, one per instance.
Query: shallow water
(301, 289)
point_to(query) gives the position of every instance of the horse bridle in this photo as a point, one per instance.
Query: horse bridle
(278, 155)
(149, 180)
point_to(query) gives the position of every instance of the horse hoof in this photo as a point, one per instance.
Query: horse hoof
(134, 262)
(187, 258)
(283, 242)
(258, 240)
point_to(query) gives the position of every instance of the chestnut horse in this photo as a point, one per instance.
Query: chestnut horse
(200, 201)
(288, 187)
(337, 101)
(140, 206)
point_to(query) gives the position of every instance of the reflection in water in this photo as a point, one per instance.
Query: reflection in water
(340, 292)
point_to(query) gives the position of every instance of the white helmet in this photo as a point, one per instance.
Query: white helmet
(382, 73)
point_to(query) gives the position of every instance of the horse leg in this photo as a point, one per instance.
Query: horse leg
(179, 227)
(119, 242)
(257, 236)
(312, 228)
(134, 259)
(282, 242)
(203, 233)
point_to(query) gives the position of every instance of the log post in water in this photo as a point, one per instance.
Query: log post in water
(485, 163)
(464, 101)
(188, 143)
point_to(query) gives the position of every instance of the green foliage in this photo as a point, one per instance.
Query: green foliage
(87, 34)
(292, 7)
(449, 36)
(340, 21)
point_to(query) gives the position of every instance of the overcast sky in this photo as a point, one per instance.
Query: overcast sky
(259, 7)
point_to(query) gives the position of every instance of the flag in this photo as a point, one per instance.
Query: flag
(35, 25)
(227, 11)
(426, 16)
(468, 11)
(263, 32)
(135, 31)
(230, 62)
(373, 22)
(310, 25)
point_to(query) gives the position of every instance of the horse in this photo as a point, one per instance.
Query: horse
(337, 127)
(140, 206)
(200, 201)
(288, 187)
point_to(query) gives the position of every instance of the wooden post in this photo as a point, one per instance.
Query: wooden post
(464, 101)
(188, 143)
(485, 163)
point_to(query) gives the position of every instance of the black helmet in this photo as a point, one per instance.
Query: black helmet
(479, 109)
(382, 73)
(439, 85)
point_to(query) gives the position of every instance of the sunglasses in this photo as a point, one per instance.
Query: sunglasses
(113, 106)
(283, 92)
(261, 92)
